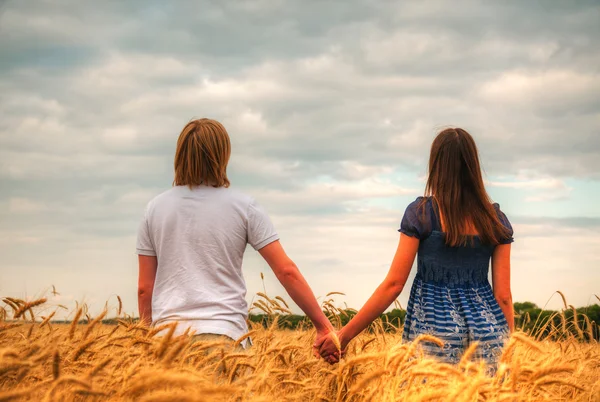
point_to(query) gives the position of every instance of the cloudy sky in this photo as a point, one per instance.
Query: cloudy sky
(331, 108)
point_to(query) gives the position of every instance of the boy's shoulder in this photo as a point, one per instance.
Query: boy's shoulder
(236, 194)
(224, 194)
(233, 197)
(162, 196)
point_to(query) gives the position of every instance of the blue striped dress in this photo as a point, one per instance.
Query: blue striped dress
(451, 297)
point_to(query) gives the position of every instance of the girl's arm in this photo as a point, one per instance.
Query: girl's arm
(296, 286)
(501, 282)
(381, 299)
(147, 275)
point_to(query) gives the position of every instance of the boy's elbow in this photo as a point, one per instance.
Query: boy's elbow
(287, 272)
(144, 291)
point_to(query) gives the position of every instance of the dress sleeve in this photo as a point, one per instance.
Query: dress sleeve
(411, 225)
(504, 220)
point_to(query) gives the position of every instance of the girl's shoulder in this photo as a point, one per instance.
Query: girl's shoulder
(506, 223)
(420, 203)
(417, 219)
(501, 215)
(424, 208)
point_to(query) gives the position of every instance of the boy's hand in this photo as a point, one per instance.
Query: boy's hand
(329, 347)
(322, 334)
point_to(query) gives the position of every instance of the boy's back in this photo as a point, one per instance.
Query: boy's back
(199, 236)
(192, 240)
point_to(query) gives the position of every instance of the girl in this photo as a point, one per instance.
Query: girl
(192, 240)
(455, 230)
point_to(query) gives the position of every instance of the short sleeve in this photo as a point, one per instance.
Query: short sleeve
(145, 245)
(411, 225)
(261, 231)
(506, 223)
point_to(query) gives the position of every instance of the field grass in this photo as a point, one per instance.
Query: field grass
(42, 361)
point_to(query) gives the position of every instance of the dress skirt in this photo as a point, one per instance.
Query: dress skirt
(459, 316)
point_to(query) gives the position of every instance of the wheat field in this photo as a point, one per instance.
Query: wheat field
(44, 361)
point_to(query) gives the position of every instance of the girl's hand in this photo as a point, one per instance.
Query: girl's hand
(330, 348)
(322, 334)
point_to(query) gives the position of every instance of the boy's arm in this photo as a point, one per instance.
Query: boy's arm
(147, 276)
(296, 286)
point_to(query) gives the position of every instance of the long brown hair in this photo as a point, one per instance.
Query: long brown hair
(456, 187)
(202, 154)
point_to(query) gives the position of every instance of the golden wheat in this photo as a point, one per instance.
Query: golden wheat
(129, 362)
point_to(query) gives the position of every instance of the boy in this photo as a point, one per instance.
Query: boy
(192, 239)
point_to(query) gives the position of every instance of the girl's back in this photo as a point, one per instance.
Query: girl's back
(466, 265)
(451, 297)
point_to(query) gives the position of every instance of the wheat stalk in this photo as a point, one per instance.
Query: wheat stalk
(140, 363)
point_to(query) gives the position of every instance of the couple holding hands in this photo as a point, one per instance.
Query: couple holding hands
(192, 239)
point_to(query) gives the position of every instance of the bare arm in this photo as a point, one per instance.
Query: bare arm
(501, 282)
(381, 299)
(294, 283)
(147, 275)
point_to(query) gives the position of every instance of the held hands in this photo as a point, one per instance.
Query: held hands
(331, 346)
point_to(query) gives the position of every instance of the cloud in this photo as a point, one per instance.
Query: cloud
(327, 197)
(539, 189)
(25, 206)
(545, 87)
(331, 110)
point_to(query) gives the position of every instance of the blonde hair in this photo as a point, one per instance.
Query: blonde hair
(202, 154)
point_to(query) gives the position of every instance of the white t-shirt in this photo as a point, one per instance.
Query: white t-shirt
(199, 237)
